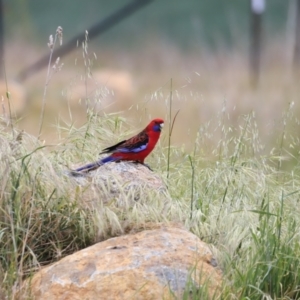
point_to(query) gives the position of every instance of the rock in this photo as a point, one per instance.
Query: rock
(152, 264)
(119, 182)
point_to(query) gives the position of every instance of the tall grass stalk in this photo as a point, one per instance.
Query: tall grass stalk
(86, 67)
(240, 141)
(8, 99)
(87, 71)
(286, 117)
(51, 45)
(192, 185)
(170, 128)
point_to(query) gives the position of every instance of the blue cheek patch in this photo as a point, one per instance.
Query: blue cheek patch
(156, 128)
(134, 150)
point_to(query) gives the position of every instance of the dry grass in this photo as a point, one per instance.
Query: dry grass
(243, 205)
(233, 190)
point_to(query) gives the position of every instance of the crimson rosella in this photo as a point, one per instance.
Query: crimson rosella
(135, 149)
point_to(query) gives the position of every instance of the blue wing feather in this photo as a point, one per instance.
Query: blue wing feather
(134, 150)
(135, 144)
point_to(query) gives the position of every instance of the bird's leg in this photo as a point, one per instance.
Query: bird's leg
(142, 163)
(146, 165)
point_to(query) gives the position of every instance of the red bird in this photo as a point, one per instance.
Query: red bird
(135, 149)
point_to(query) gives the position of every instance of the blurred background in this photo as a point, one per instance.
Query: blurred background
(216, 59)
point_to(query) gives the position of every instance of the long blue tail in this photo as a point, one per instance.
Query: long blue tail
(95, 165)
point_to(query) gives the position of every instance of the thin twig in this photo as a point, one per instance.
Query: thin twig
(170, 128)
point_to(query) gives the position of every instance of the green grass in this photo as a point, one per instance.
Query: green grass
(242, 204)
(233, 191)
